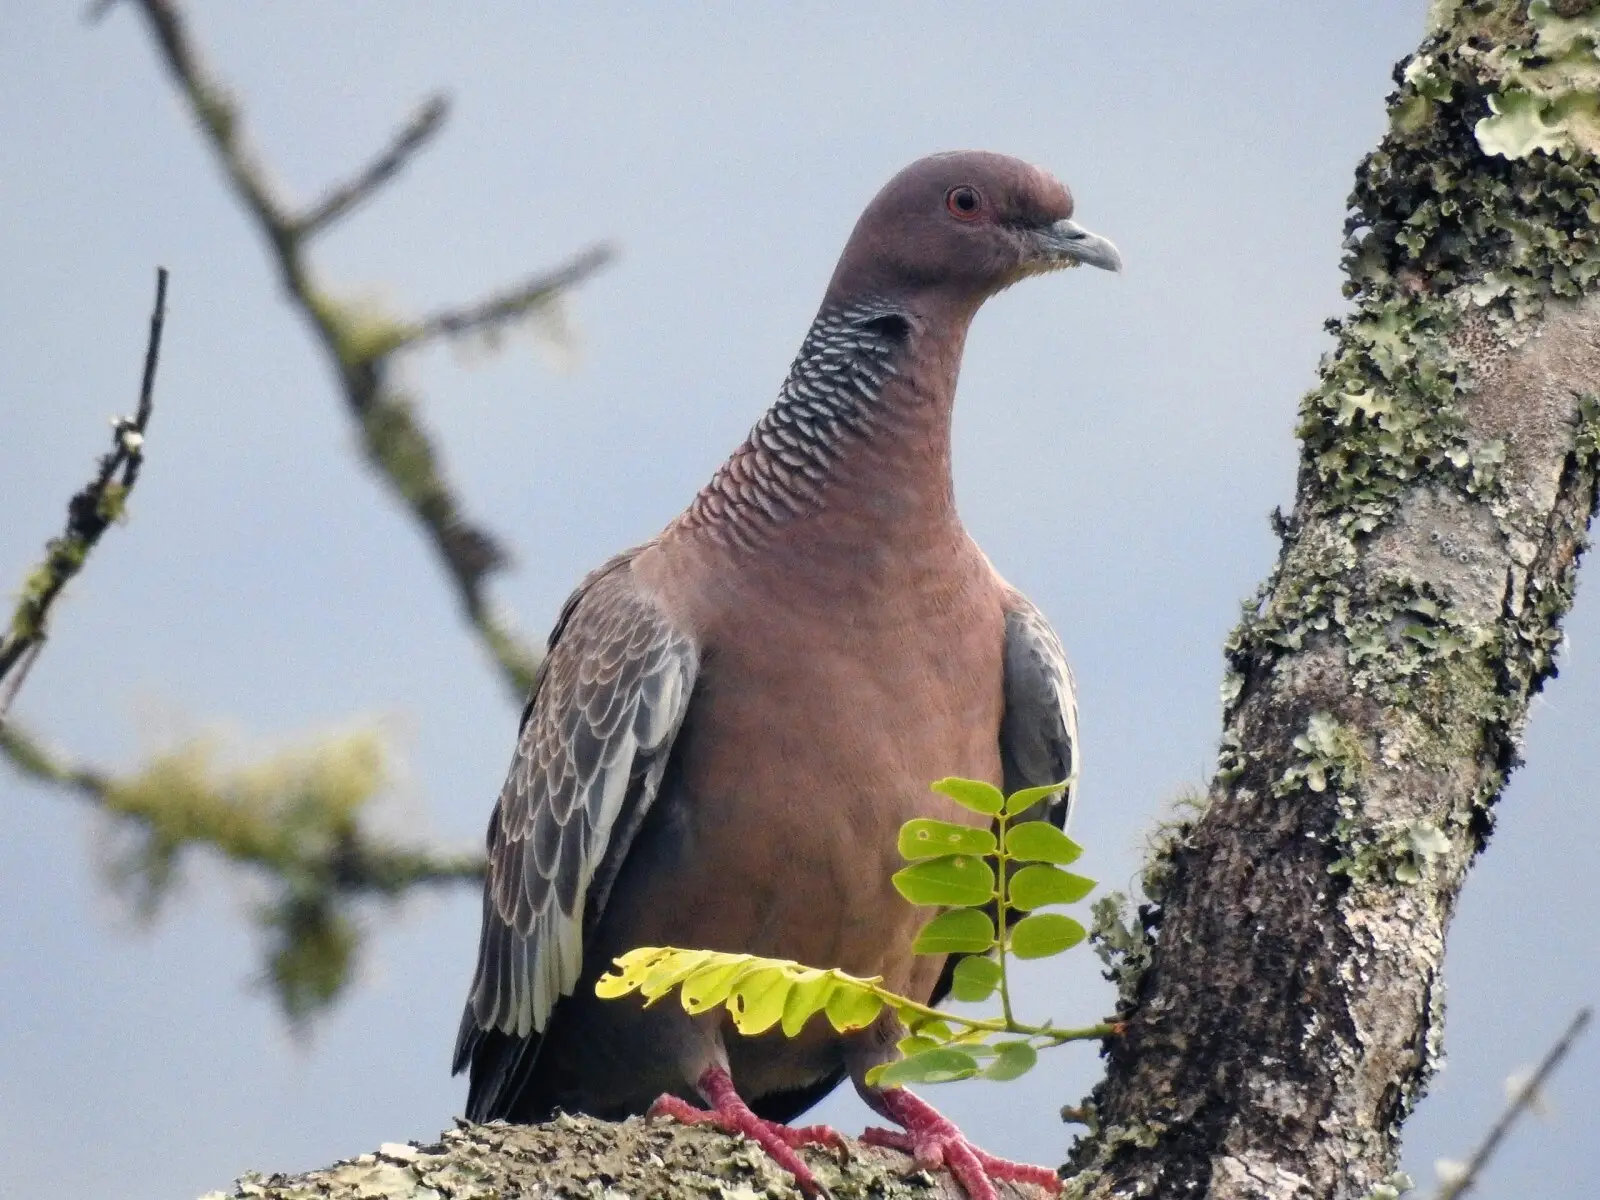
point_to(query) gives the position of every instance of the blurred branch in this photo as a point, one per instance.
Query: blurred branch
(416, 133)
(360, 346)
(1521, 1100)
(89, 514)
(294, 817)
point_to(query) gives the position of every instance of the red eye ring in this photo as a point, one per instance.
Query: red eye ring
(964, 202)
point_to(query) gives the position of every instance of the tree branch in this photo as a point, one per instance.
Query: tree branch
(89, 514)
(294, 818)
(359, 345)
(579, 1156)
(1378, 685)
(411, 138)
(1526, 1095)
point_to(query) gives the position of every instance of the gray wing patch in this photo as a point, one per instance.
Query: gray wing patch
(1039, 730)
(595, 740)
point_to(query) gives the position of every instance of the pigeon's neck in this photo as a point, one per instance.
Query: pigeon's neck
(856, 449)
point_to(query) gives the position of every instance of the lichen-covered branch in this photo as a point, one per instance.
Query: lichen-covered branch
(579, 1156)
(1290, 1013)
(294, 818)
(89, 514)
(361, 344)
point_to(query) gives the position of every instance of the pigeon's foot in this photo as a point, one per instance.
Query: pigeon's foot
(935, 1142)
(731, 1114)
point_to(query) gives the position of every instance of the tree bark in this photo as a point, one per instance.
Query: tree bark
(1281, 986)
(583, 1157)
(1291, 1011)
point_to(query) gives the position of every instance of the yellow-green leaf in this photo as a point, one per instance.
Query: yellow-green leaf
(974, 978)
(852, 1007)
(709, 987)
(1043, 934)
(757, 1002)
(960, 931)
(1038, 884)
(915, 1043)
(980, 797)
(671, 969)
(806, 999)
(927, 838)
(955, 879)
(1022, 800)
(1040, 841)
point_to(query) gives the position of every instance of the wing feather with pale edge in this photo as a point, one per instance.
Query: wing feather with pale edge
(1039, 729)
(595, 740)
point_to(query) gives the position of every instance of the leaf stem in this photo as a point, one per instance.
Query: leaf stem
(1000, 917)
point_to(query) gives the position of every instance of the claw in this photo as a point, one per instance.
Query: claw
(731, 1114)
(934, 1141)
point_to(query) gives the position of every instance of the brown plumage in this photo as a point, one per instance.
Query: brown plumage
(735, 718)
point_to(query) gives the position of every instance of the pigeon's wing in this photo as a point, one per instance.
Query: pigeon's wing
(595, 740)
(1039, 729)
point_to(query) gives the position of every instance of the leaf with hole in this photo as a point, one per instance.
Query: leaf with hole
(974, 978)
(1043, 934)
(927, 838)
(1038, 884)
(961, 931)
(1040, 841)
(1011, 1060)
(980, 797)
(956, 879)
(709, 987)
(757, 1002)
(1024, 799)
(941, 1065)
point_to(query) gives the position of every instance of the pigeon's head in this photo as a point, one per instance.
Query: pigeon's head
(964, 225)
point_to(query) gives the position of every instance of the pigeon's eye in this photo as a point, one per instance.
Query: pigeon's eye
(963, 202)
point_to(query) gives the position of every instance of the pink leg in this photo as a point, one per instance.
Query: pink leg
(731, 1114)
(935, 1142)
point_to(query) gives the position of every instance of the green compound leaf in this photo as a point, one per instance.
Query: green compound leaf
(956, 879)
(940, 1065)
(1022, 801)
(1040, 841)
(1037, 885)
(1012, 1059)
(980, 797)
(962, 931)
(974, 978)
(927, 838)
(1043, 934)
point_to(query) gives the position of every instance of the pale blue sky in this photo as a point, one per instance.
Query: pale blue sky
(1119, 444)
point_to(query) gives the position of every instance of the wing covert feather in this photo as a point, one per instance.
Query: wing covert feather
(594, 743)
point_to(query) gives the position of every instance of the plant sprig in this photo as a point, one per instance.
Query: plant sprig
(982, 878)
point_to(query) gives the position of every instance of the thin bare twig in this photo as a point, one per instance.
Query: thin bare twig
(89, 514)
(496, 311)
(359, 346)
(412, 137)
(1519, 1103)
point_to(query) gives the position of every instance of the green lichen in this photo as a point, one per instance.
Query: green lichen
(1329, 755)
(1123, 943)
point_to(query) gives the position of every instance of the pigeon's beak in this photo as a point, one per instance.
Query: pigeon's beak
(1066, 244)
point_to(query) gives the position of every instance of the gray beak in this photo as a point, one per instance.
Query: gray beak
(1067, 244)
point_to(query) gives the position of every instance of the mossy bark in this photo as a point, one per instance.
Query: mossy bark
(581, 1157)
(1290, 1013)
